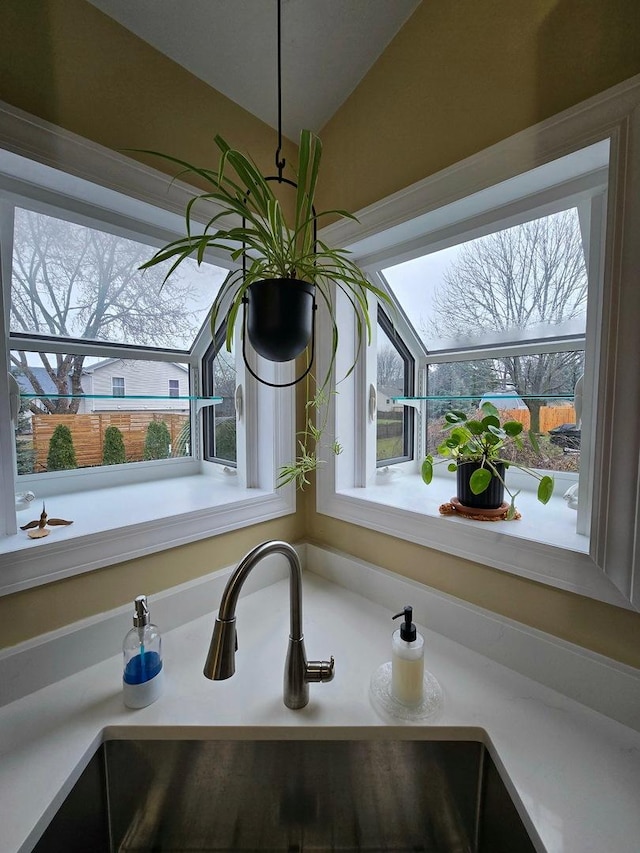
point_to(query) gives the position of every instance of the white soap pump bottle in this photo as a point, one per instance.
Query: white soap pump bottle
(407, 661)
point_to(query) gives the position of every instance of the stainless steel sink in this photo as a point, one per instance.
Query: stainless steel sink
(288, 795)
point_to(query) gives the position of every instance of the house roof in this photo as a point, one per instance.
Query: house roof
(91, 368)
(41, 376)
(390, 391)
(504, 400)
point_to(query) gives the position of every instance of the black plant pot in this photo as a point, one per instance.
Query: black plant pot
(493, 495)
(280, 317)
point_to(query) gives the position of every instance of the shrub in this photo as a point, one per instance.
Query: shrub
(157, 441)
(25, 456)
(25, 452)
(61, 456)
(113, 452)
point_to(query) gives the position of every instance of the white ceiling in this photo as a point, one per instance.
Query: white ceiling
(327, 48)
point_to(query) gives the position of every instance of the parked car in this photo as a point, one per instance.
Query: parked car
(566, 436)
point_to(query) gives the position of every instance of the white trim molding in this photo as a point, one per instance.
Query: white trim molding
(44, 143)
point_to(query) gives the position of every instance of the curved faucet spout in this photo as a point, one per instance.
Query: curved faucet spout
(220, 663)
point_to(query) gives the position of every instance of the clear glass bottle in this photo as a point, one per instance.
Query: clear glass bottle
(143, 674)
(407, 661)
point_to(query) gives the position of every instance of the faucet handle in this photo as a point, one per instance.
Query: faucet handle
(319, 670)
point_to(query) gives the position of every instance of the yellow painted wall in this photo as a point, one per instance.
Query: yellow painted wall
(44, 608)
(461, 75)
(464, 74)
(67, 62)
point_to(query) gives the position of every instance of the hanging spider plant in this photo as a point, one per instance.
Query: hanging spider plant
(269, 246)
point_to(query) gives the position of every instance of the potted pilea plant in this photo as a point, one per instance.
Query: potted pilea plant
(284, 267)
(475, 448)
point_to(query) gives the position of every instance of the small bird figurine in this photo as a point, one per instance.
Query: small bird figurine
(40, 524)
(571, 496)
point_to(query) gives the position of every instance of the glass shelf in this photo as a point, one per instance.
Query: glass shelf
(208, 400)
(488, 397)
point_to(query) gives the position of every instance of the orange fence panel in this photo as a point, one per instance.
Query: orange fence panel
(553, 416)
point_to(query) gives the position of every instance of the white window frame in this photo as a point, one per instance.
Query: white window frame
(120, 388)
(130, 198)
(393, 229)
(172, 387)
(410, 444)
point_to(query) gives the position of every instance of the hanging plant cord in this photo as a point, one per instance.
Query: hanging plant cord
(280, 164)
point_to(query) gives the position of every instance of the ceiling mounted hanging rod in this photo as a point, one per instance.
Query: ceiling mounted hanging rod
(280, 162)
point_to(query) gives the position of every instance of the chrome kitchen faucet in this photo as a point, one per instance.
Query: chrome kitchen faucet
(298, 671)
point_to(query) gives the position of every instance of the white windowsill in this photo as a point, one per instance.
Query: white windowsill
(120, 523)
(542, 546)
(551, 524)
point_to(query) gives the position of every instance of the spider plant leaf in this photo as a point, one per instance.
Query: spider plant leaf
(309, 157)
(207, 174)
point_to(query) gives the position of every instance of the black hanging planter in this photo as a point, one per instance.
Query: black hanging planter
(493, 495)
(279, 317)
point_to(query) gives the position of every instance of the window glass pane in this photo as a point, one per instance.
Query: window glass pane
(390, 417)
(71, 281)
(174, 387)
(523, 283)
(79, 412)
(219, 379)
(537, 390)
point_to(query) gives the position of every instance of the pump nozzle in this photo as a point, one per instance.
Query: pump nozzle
(141, 612)
(407, 629)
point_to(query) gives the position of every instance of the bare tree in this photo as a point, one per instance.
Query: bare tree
(390, 368)
(69, 281)
(224, 376)
(516, 280)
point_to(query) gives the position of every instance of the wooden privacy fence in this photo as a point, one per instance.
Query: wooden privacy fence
(553, 416)
(550, 416)
(88, 431)
(389, 429)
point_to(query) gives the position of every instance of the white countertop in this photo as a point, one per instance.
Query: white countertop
(576, 772)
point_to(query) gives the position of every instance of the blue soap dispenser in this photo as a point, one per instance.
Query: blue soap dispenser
(143, 676)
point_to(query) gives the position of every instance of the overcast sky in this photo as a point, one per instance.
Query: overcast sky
(414, 283)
